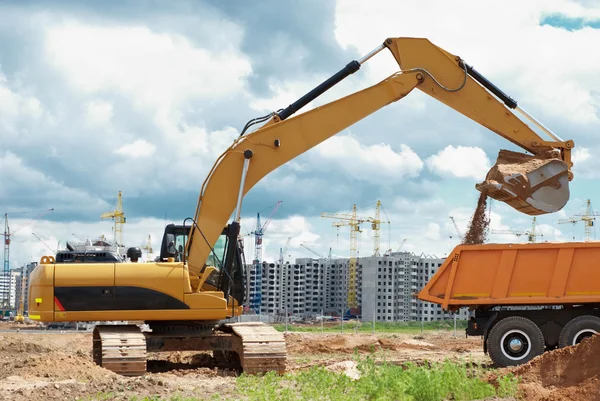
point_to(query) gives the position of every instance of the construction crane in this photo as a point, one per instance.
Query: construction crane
(256, 297)
(311, 251)
(376, 227)
(119, 217)
(4, 297)
(282, 252)
(586, 217)
(354, 222)
(148, 249)
(460, 236)
(43, 243)
(531, 234)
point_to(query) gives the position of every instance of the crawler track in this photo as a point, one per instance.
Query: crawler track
(263, 347)
(120, 348)
(253, 348)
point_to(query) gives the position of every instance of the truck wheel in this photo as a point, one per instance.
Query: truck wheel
(577, 329)
(514, 340)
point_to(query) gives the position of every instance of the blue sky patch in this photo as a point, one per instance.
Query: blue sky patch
(569, 23)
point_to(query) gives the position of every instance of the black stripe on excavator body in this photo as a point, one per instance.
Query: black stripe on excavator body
(103, 298)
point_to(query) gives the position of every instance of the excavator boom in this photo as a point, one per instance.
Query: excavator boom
(538, 185)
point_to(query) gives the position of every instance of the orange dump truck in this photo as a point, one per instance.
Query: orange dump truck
(523, 298)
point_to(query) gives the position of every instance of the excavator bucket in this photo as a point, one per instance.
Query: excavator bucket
(533, 185)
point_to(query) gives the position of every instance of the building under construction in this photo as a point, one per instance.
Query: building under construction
(384, 287)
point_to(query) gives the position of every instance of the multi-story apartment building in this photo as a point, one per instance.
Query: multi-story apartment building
(385, 287)
(389, 286)
(15, 277)
(26, 269)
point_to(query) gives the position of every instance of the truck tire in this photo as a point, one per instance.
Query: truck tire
(514, 340)
(577, 329)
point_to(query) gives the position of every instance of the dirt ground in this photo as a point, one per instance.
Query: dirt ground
(54, 365)
(58, 366)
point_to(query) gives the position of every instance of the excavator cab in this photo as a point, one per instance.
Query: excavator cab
(533, 185)
(227, 256)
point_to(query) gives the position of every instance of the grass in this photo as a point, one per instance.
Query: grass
(367, 327)
(382, 382)
(378, 382)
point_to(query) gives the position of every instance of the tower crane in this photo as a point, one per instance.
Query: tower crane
(256, 297)
(43, 243)
(4, 296)
(119, 217)
(376, 227)
(531, 234)
(456, 228)
(311, 251)
(354, 222)
(282, 252)
(148, 249)
(586, 217)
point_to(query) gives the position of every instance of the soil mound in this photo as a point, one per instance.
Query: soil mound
(54, 365)
(570, 373)
(13, 345)
(330, 344)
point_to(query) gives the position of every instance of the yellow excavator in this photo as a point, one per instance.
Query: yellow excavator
(186, 297)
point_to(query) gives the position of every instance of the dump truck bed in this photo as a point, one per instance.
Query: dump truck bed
(517, 274)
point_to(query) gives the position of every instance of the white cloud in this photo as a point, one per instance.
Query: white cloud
(14, 173)
(15, 105)
(519, 54)
(156, 70)
(376, 163)
(98, 112)
(460, 161)
(138, 148)
(585, 165)
(580, 155)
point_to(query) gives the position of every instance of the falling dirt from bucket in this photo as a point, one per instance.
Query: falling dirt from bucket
(478, 228)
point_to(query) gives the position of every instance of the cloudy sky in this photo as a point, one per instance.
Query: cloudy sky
(142, 96)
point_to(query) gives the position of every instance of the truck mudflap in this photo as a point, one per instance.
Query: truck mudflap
(261, 348)
(120, 348)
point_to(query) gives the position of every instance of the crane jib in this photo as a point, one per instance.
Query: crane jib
(349, 69)
(510, 102)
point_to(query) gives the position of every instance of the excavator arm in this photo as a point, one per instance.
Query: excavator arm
(423, 65)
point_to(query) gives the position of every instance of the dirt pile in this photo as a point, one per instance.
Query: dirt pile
(60, 367)
(570, 373)
(26, 358)
(329, 344)
(478, 228)
(509, 163)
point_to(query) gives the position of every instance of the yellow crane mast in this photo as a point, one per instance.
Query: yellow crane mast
(376, 227)
(148, 249)
(354, 223)
(119, 217)
(587, 217)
